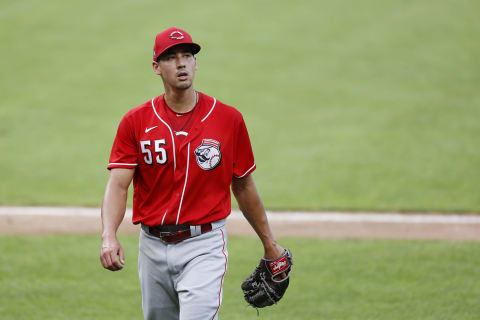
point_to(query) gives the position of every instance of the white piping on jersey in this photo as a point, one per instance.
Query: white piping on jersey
(185, 185)
(123, 164)
(165, 214)
(243, 175)
(171, 134)
(213, 106)
(181, 133)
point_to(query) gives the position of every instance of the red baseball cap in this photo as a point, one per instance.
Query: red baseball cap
(172, 37)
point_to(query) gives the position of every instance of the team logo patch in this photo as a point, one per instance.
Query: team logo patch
(176, 35)
(208, 154)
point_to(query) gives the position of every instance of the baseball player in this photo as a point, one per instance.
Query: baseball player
(183, 150)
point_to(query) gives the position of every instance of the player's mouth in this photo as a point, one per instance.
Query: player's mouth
(182, 76)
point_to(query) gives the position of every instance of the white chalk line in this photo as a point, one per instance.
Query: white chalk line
(285, 217)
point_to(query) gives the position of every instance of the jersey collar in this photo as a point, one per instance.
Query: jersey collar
(205, 105)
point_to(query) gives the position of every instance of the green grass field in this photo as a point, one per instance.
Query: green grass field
(60, 277)
(351, 105)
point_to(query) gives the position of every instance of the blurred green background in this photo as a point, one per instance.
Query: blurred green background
(351, 105)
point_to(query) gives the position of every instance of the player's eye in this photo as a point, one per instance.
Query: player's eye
(168, 57)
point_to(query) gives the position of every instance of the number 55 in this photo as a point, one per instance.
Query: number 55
(161, 153)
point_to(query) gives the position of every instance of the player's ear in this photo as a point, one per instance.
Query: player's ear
(156, 68)
(196, 65)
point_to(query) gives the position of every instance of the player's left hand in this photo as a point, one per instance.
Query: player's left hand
(273, 253)
(264, 286)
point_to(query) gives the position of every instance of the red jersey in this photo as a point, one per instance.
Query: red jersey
(184, 180)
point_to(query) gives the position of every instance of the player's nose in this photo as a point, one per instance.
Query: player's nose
(180, 62)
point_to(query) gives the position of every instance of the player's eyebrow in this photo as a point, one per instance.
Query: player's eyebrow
(172, 52)
(179, 49)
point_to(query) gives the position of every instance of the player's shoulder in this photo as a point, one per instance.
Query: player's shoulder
(139, 110)
(221, 109)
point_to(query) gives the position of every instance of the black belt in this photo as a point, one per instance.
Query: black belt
(177, 233)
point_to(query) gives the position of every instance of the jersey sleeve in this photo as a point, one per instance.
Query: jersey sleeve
(124, 152)
(244, 162)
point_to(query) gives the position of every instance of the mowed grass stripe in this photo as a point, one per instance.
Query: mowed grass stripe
(60, 277)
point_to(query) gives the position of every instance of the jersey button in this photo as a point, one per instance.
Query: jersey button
(177, 194)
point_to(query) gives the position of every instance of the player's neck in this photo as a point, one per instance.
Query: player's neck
(181, 101)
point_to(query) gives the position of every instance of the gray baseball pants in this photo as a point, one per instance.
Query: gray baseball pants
(183, 281)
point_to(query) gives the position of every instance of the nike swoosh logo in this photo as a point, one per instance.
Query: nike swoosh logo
(149, 129)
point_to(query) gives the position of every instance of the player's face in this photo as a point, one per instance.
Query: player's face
(176, 67)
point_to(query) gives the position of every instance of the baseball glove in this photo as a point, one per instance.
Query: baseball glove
(264, 287)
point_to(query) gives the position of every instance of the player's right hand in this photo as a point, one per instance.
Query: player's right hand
(112, 256)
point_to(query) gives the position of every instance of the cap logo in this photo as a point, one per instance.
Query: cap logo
(176, 35)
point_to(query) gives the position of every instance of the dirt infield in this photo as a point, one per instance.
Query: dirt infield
(31, 220)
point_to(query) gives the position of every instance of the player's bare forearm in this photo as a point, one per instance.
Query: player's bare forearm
(113, 211)
(251, 205)
(115, 200)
